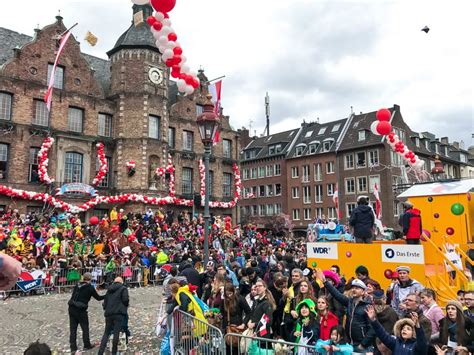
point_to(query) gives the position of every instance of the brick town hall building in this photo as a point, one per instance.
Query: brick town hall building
(126, 102)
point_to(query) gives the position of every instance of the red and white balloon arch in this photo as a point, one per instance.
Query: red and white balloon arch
(171, 199)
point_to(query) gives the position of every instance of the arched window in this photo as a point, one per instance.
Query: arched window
(73, 167)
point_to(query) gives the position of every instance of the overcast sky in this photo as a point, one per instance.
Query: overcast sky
(315, 58)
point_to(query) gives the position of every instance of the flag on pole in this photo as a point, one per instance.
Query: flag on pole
(215, 91)
(377, 201)
(335, 198)
(49, 93)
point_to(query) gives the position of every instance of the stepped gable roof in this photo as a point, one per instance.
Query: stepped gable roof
(313, 135)
(261, 145)
(10, 40)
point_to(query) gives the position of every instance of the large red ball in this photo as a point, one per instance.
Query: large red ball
(163, 5)
(449, 231)
(388, 274)
(94, 220)
(384, 128)
(383, 115)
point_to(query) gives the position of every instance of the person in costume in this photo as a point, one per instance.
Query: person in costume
(188, 302)
(307, 326)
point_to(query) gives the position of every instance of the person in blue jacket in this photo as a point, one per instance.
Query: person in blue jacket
(337, 344)
(409, 336)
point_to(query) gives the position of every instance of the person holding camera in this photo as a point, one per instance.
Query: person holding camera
(78, 304)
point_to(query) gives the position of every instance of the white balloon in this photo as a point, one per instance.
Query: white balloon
(167, 54)
(171, 44)
(163, 40)
(183, 58)
(162, 49)
(181, 85)
(166, 22)
(373, 128)
(159, 16)
(141, 2)
(165, 31)
(188, 90)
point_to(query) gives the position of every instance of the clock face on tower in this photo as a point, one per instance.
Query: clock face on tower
(155, 75)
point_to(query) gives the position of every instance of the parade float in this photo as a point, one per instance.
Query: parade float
(441, 261)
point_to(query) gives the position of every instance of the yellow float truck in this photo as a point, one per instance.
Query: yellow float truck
(447, 212)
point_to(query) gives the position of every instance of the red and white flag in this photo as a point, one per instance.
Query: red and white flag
(335, 198)
(263, 325)
(49, 93)
(215, 90)
(377, 201)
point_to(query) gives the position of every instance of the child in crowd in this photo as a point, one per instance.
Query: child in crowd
(307, 325)
(337, 344)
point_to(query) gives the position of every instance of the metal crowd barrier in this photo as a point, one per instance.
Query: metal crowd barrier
(254, 345)
(57, 280)
(190, 335)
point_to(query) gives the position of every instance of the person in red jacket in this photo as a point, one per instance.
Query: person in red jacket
(410, 221)
(327, 318)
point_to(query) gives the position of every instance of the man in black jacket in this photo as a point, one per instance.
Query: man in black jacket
(362, 221)
(115, 310)
(78, 304)
(358, 327)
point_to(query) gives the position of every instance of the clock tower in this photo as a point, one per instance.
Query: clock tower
(139, 86)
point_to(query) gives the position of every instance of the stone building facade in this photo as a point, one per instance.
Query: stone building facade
(126, 102)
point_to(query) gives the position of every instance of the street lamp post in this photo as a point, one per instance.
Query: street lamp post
(208, 123)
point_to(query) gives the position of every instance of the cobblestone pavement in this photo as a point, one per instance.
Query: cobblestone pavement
(26, 319)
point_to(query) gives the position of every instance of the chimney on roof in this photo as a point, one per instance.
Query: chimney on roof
(456, 144)
(445, 140)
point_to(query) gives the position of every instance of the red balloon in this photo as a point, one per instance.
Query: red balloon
(177, 50)
(449, 231)
(157, 25)
(175, 74)
(427, 233)
(94, 220)
(172, 36)
(384, 128)
(195, 84)
(348, 254)
(151, 20)
(383, 115)
(169, 63)
(163, 5)
(394, 275)
(388, 274)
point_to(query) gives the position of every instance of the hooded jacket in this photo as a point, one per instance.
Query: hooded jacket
(411, 223)
(401, 290)
(399, 346)
(358, 327)
(362, 219)
(81, 295)
(116, 300)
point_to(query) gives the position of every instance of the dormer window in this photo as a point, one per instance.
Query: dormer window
(249, 154)
(322, 130)
(462, 158)
(446, 152)
(327, 145)
(417, 142)
(436, 148)
(313, 147)
(274, 149)
(427, 144)
(299, 150)
(361, 135)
